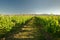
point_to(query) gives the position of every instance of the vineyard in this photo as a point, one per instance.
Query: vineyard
(29, 27)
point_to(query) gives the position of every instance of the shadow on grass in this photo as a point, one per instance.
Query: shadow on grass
(15, 30)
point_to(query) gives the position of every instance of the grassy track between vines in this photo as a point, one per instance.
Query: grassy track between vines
(30, 31)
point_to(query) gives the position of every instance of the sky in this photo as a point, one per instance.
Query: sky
(29, 6)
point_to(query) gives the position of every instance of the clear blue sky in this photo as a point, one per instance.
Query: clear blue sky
(29, 6)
